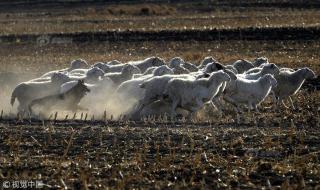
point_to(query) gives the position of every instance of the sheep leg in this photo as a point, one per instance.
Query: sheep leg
(291, 102)
(216, 108)
(194, 109)
(279, 102)
(20, 110)
(284, 104)
(232, 102)
(249, 107)
(238, 109)
(173, 109)
(238, 118)
(274, 100)
(217, 102)
(239, 112)
(30, 108)
(256, 108)
(139, 106)
(192, 112)
(145, 101)
(23, 109)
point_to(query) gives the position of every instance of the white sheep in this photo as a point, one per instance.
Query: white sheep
(259, 68)
(27, 91)
(191, 67)
(180, 70)
(191, 94)
(115, 68)
(103, 66)
(214, 66)
(231, 68)
(216, 100)
(158, 109)
(83, 71)
(249, 92)
(290, 82)
(155, 87)
(287, 69)
(253, 70)
(129, 91)
(206, 61)
(176, 65)
(126, 74)
(257, 62)
(266, 69)
(143, 65)
(148, 71)
(176, 61)
(91, 76)
(114, 62)
(75, 64)
(243, 65)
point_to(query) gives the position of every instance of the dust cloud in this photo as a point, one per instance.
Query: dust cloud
(98, 103)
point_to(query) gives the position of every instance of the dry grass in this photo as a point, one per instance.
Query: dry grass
(24, 58)
(151, 18)
(281, 151)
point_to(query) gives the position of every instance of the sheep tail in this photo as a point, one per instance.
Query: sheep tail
(142, 85)
(13, 97)
(12, 100)
(30, 106)
(165, 94)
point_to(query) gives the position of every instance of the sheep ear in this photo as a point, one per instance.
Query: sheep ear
(219, 66)
(206, 75)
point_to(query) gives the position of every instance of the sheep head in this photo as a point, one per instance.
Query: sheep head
(78, 63)
(95, 73)
(259, 61)
(130, 70)
(59, 78)
(162, 70)
(157, 61)
(231, 74)
(270, 69)
(214, 66)
(308, 73)
(102, 66)
(175, 62)
(231, 68)
(272, 81)
(219, 76)
(206, 61)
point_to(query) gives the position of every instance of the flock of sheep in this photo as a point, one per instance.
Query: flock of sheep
(154, 87)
